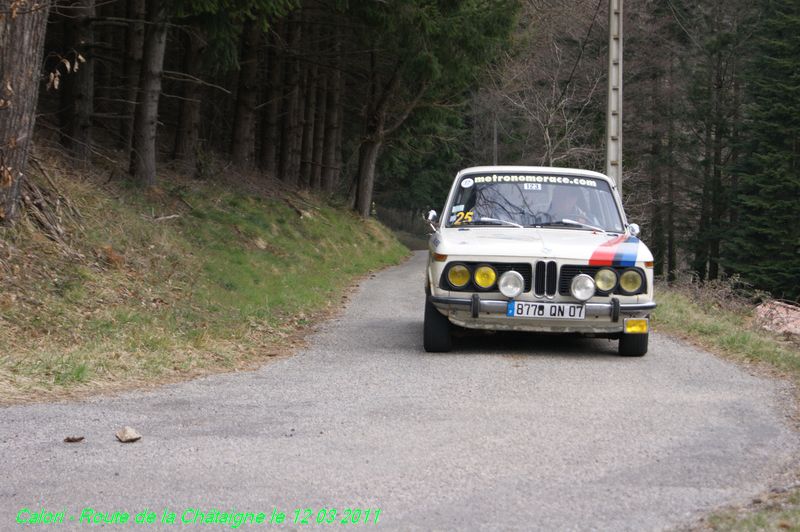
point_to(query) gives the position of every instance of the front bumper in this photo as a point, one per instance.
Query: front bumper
(476, 306)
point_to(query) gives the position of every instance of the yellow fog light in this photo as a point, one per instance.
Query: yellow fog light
(636, 325)
(485, 276)
(605, 279)
(458, 276)
(630, 281)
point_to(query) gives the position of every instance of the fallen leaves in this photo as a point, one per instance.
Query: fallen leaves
(6, 177)
(110, 257)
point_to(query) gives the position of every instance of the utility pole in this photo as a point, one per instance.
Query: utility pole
(614, 110)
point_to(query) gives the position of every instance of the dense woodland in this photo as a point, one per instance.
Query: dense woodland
(377, 103)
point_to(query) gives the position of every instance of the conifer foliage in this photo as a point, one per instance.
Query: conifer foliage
(765, 244)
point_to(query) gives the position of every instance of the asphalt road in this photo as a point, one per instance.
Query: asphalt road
(507, 432)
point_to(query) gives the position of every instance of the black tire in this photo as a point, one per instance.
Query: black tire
(436, 337)
(633, 345)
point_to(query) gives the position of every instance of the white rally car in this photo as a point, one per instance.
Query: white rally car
(539, 249)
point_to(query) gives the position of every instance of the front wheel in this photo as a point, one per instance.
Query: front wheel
(633, 345)
(436, 337)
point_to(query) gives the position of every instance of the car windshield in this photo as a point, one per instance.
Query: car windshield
(534, 200)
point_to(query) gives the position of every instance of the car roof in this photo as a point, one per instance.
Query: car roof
(544, 170)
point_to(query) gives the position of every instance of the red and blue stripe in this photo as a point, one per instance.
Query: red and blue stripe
(619, 251)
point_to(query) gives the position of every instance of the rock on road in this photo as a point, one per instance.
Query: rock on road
(506, 432)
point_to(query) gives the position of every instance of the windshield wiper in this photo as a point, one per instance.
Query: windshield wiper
(491, 221)
(567, 221)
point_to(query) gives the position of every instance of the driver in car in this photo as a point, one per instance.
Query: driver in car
(564, 204)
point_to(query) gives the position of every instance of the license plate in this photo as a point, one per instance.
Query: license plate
(549, 311)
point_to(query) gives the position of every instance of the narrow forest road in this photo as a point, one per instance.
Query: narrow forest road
(506, 432)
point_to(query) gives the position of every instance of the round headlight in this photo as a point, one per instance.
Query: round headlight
(582, 287)
(605, 279)
(458, 276)
(485, 276)
(630, 281)
(511, 284)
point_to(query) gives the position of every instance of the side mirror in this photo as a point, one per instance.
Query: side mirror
(634, 229)
(431, 218)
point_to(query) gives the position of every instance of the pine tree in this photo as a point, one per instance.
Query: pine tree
(766, 248)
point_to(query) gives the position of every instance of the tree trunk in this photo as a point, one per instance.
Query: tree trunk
(145, 125)
(77, 94)
(319, 134)
(657, 223)
(733, 214)
(297, 131)
(311, 90)
(333, 116)
(338, 155)
(717, 194)
(134, 43)
(672, 253)
(21, 42)
(292, 98)
(310, 111)
(367, 159)
(672, 245)
(700, 263)
(188, 133)
(244, 121)
(300, 120)
(717, 210)
(66, 109)
(377, 109)
(272, 121)
(108, 85)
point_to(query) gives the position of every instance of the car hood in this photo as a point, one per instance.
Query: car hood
(597, 248)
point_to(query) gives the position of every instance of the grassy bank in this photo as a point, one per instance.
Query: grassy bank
(777, 511)
(192, 278)
(724, 326)
(722, 322)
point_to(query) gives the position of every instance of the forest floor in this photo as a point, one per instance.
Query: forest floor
(114, 288)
